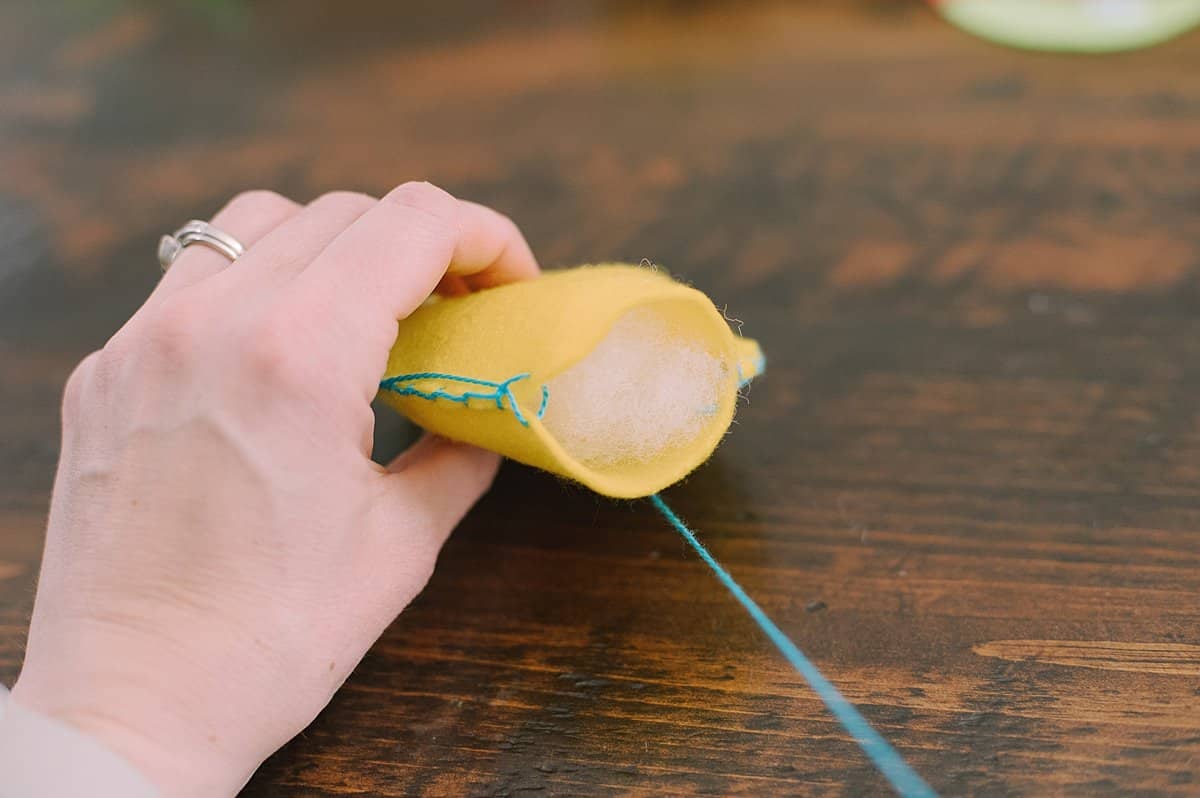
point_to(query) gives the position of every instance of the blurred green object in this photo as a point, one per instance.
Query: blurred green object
(1075, 26)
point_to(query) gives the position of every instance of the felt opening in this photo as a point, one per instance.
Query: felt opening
(648, 391)
(489, 367)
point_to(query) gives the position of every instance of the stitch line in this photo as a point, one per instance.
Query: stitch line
(500, 391)
(506, 388)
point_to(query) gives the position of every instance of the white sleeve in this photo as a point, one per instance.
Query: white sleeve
(42, 756)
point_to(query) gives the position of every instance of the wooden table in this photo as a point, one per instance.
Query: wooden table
(969, 486)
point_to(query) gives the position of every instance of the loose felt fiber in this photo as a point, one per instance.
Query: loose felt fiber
(615, 376)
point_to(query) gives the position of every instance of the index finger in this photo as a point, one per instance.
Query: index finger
(512, 258)
(391, 258)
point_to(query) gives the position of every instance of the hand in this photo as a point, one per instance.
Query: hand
(221, 549)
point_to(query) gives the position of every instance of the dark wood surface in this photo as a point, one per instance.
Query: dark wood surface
(969, 486)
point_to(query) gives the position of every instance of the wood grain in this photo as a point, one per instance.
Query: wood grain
(969, 485)
(1177, 659)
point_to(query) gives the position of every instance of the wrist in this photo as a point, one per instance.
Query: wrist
(40, 755)
(121, 724)
(136, 716)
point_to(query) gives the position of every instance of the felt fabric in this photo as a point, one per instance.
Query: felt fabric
(477, 368)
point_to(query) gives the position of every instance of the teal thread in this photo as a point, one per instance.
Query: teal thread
(500, 392)
(760, 365)
(887, 760)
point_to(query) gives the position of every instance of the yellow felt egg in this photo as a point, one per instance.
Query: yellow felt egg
(615, 376)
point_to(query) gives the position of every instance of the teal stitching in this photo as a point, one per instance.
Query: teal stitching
(500, 391)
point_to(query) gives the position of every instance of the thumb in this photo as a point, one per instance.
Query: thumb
(432, 485)
(425, 492)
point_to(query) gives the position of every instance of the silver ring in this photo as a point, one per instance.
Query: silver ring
(197, 232)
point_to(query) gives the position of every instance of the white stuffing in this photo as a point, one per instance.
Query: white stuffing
(642, 391)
